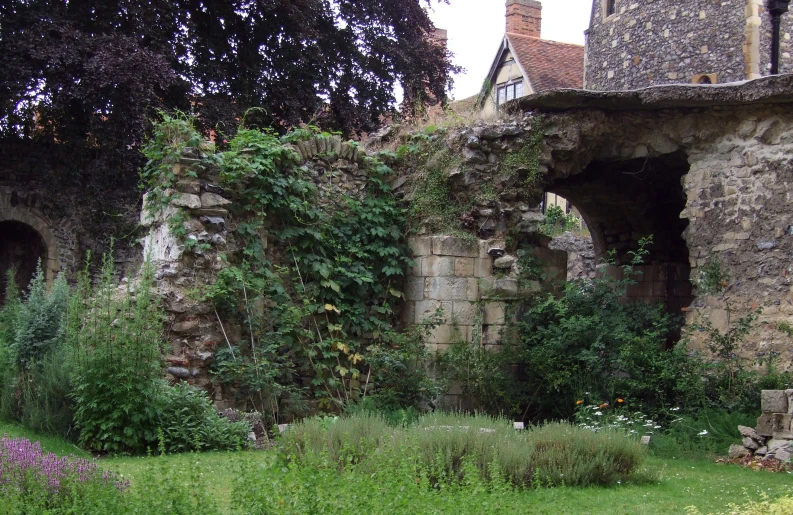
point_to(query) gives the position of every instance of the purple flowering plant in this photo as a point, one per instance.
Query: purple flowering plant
(24, 464)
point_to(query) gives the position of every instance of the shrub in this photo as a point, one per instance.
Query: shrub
(119, 363)
(446, 448)
(36, 358)
(189, 422)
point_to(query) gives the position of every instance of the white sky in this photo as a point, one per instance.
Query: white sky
(476, 28)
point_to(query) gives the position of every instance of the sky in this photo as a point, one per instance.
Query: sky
(476, 28)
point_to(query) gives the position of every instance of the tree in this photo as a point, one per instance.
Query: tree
(84, 76)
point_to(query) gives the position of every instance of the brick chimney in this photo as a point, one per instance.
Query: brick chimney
(524, 17)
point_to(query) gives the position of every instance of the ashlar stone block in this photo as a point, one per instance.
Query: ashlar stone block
(414, 288)
(442, 334)
(450, 288)
(452, 246)
(770, 423)
(420, 245)
(483, 267)
(465, 313)
(425, 309)
(774, 401)
(438, 266)
(494, 313)
(464, 267)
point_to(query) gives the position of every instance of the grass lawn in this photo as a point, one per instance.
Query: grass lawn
(679, 483)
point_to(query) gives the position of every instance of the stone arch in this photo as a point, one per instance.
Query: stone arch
(625, 200)
(15, 213)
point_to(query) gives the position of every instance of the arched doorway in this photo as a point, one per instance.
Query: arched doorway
(622, 201)
(22, 248)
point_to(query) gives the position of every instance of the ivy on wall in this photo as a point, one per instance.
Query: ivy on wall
(318, 302)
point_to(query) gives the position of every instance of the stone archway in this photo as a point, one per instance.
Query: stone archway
(24, 239)
(625, 200)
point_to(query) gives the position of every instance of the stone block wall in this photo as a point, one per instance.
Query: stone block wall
(455, 275)
(472, 282)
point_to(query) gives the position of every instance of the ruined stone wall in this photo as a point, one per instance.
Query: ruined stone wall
(708, 182)
(194, 330)
(71, 217)
(671, 42)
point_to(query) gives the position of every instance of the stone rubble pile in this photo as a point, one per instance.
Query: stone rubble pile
(773, 436)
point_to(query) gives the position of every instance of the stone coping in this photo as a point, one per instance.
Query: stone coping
(777, 89)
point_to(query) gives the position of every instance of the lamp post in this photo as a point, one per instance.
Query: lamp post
(777, 8)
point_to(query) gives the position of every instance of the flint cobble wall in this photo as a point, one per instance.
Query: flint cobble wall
(670, 42)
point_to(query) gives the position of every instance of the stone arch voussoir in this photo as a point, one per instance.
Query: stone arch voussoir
(33, 219)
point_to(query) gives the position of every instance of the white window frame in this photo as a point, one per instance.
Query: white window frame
(508, 92)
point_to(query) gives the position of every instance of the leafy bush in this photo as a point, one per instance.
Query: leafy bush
(557, 221)
(190, 422)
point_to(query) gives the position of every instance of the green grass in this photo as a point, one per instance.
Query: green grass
(677, 483)
(51, 444)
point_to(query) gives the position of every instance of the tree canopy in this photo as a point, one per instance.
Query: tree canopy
(87, 74)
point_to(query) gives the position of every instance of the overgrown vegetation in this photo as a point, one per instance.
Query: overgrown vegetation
(263, 482)
(589, 343)
(86, 364)
(557, 222)
(445, 449)
(320, 302)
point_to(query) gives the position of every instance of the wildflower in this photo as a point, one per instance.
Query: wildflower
(620, 401)
(579, 402)
(604, 405)
(703, 432)
(675, 409)
(599, 413)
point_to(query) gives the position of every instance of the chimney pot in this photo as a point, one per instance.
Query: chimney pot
(524, 17)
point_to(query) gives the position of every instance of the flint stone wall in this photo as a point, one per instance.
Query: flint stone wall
(670, 42)
(194, 331)
(72, 218)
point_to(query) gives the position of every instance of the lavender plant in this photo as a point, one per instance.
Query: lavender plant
(25, 469)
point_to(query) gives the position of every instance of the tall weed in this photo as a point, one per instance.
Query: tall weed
(119, 361)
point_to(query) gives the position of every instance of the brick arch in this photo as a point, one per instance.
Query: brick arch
(33, 219)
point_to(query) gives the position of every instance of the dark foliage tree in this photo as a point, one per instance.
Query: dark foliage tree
(83, 76)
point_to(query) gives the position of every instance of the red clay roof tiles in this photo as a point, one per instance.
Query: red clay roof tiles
(549, 64)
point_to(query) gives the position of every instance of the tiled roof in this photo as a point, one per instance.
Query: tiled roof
(549, 64)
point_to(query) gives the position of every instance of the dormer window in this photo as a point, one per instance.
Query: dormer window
(510, 92)
(611, 7)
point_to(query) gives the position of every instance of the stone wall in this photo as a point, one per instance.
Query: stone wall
(71, 217)
(706, 171)
(672, 42)
(194, 329)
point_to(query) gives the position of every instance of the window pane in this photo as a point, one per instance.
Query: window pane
(502, 95)
(518, 90)
(510, 93)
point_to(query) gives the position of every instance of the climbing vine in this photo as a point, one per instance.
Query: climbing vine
(315, 285)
